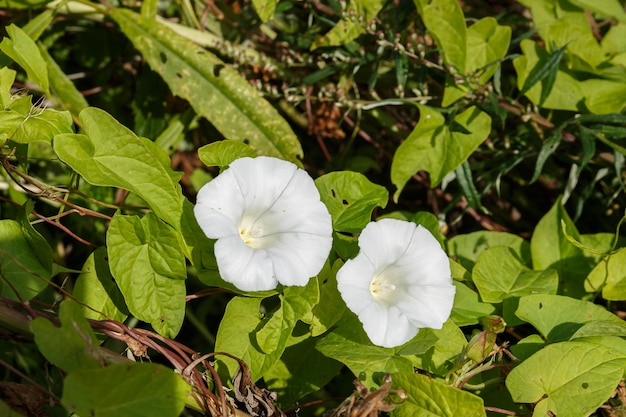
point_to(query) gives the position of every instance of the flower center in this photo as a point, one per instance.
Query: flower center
(252, 235)
(383, 290)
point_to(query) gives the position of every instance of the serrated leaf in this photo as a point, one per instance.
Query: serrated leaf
(609, 276)
(146, 260)
(500, 274)
(434, 147)
(23, 50)
(224, 152)
(557, 317)
(428, 397)
(445, 21)
(71, 347)
(561, 372)
(96, 288)
(133, 389)
(22, 268)
(214, 89)
(551, 249)
(350, 198)
(110, 155)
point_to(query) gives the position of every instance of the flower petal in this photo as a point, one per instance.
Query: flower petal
(248, 269)
(384, 241)
(353, 282)
(387, 327)
(219, 206)
(427, 306)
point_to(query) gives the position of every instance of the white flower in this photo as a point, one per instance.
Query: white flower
(269, 223)
(398, 283)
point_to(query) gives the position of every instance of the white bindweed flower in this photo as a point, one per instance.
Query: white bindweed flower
(398, 283)
(269, 223)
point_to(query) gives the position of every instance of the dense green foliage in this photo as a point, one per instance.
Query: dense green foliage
(499, 128)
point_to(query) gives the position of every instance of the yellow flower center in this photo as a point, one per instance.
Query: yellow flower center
(383, 290)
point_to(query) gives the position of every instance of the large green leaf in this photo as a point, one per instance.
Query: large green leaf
(133, 389)
(550, 248)
(331, 306)
(427, 397)
(609, 276)
(265, 8)
(71, 347)
(214, 89)
(23, 50)
(558, 318)
(437, 148)
(500, 274)
(237, 336)
(350, 198)
(96, 288)
(467, 308)
(467, 248)
(445, 21)
(109, 154)
(567, 379)
(25, 259)
(222, 153)
(146, 260)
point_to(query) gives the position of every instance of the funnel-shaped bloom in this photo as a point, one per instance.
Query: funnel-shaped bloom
(269, 223)
(398, 283)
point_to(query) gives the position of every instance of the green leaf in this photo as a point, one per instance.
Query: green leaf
(25, 261)
(133, 389)
(214, 89)
(607, 8)
(565, 93)
(349, 28)
(604, 96)
(609, 276)
(71, 347)
(464, 178)
(146, 260)
(467, 308)
(428, 397)
(350, 198)
(550, 248)
(547, 148)
(265, 8)
(300, 371)
(557, 317)
(544, 71)
(96, 288)
(436, 148)
(600, 328)
(23, 122)
(7, 77)
(7, 411)
(331, 306)
(467, 248)
(445, 21)
(561, 372)
(23, 50)
(237, 336)
(441, 357)
(110, 155)
(71, 99)
(224, 152)
(348, 344)
(500, 274)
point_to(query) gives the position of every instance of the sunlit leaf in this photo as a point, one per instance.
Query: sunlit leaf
(429, 397)
(558, 318)
(609, 276)
(434, 147)
(467, 248)
(467, 308)
(22, 49)
(350, 198)
(109, 154)
(148, 265)
(561, 372)
(214, 89)
(223, 152)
